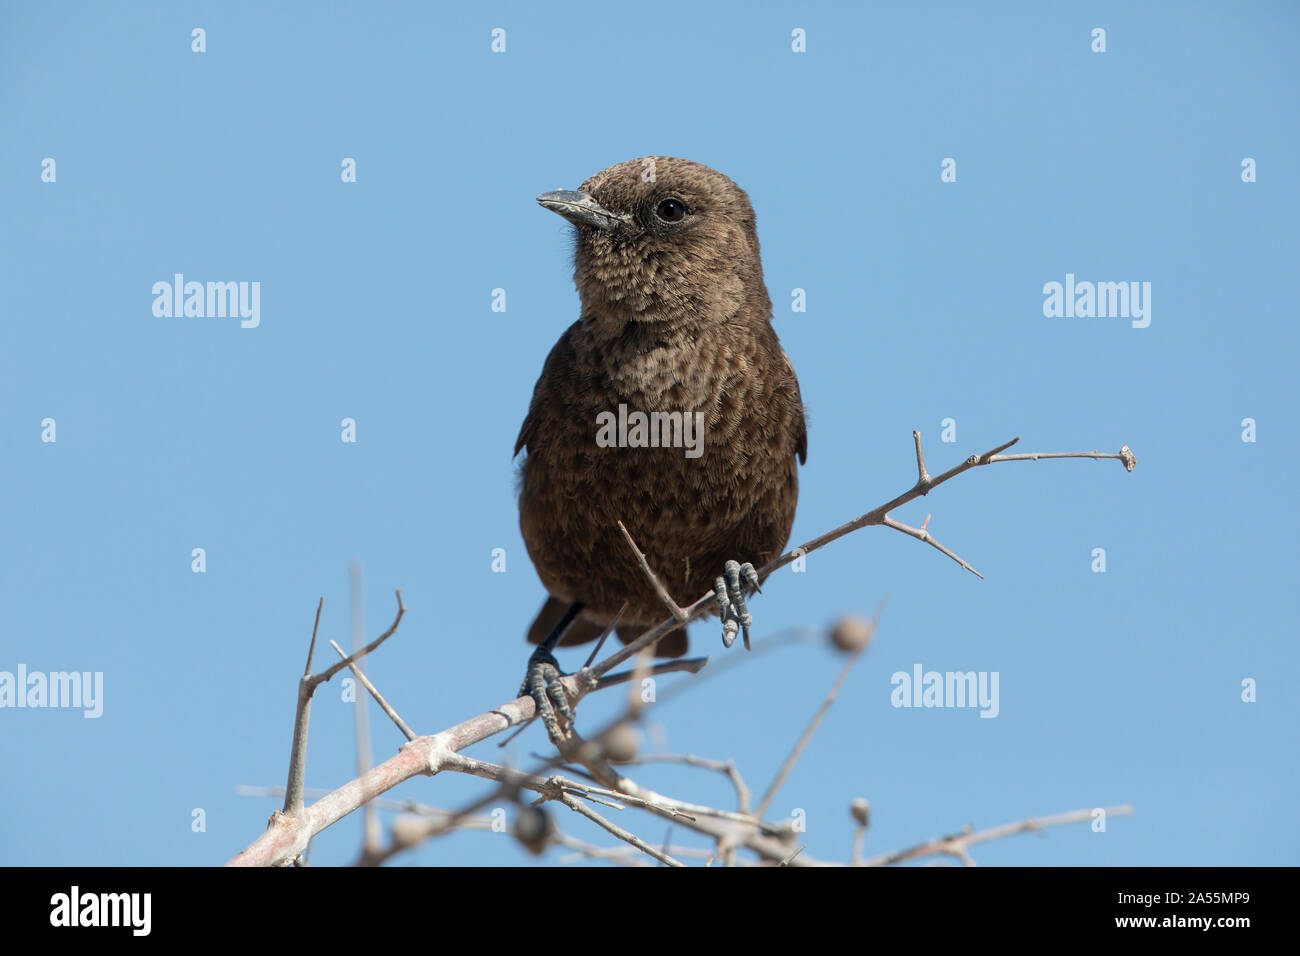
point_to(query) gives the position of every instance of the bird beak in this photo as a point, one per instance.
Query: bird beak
(582, 209)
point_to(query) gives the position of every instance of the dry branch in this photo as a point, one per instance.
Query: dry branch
(291, 829)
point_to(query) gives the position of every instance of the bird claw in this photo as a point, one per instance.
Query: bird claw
(731, 600)
(543, 682)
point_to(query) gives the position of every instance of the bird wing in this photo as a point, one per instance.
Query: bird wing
(800, 426)
(553, 370)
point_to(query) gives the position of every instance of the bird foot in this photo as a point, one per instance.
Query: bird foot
(730, 593)
(543, 682)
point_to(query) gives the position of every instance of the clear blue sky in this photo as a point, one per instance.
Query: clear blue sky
(924, 302)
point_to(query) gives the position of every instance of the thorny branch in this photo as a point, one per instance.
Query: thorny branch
(290, 830)
(958, 845)
(306, 687)
(924, 485)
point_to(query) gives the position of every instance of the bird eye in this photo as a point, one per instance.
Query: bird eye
(671, 210)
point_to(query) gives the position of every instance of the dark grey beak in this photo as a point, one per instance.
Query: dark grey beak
(581, 209)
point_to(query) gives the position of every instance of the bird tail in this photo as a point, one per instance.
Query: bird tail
(584, 631)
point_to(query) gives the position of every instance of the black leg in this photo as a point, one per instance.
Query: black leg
(542, 681)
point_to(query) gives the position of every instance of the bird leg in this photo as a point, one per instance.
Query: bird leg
(731, 600)
(543, 681)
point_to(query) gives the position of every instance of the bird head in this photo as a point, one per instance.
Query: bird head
(663, 240)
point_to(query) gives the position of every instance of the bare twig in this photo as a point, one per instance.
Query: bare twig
(658, 585)
(1124, 455)
(923, 535)
(790, 859)
(329, 672)
(627, 837)
(370, 828)
(293, 801)
(311, 648)
(958, 845)
(301, 720)
(727, 767)
(407, 732)
(924, 485)
(604, 635)
(289, 831)
(691, 665)
(811, 729)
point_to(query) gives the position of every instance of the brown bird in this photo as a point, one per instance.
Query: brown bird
(669, 405)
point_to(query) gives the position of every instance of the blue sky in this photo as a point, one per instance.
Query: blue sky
(924, 302)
